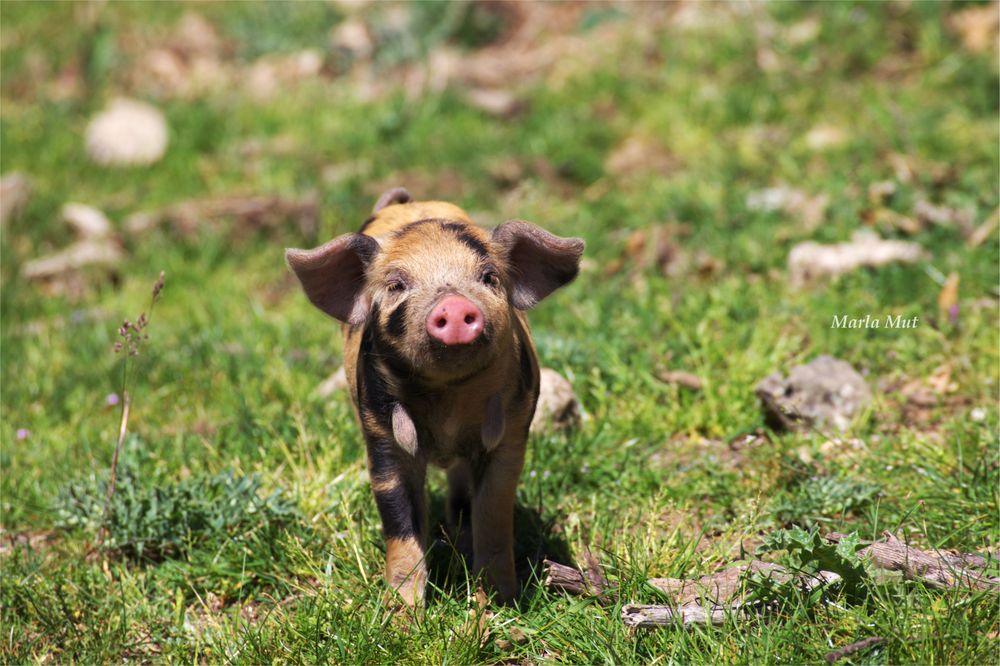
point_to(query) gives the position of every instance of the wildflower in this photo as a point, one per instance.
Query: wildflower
(23, 433)
(112, 399)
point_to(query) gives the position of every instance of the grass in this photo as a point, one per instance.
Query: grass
(224, 416)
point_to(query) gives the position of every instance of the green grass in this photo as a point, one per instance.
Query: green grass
(248, 494)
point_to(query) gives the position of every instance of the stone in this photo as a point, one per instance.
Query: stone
(825, 393)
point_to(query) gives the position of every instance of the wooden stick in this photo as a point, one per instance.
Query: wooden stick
(853, 648)
(937, 569)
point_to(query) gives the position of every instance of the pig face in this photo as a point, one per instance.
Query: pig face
(438, 293)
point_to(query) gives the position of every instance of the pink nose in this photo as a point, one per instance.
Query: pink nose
(455, 320)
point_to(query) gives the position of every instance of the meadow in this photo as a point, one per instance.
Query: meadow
(692, 145)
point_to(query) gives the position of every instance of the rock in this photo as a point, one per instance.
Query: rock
(15, 189)
(557, 408)
(87, 221)
(127, 133)
(335, 382)
(826, 392)
(810, 261)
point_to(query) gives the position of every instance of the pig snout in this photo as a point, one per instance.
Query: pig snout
(455, 320)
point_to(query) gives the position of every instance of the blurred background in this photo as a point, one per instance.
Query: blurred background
(698, 147)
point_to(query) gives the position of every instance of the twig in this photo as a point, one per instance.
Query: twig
(590, 582)
(935, 569)
(853, 648)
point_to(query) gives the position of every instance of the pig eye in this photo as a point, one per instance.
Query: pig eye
(395, 285)
(491, 278)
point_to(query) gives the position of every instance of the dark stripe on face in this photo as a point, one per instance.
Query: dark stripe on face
(410, 228)
(367, 223)
(467, 239)
(396, 324)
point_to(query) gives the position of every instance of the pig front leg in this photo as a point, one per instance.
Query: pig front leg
(493, 518)
(398, 485)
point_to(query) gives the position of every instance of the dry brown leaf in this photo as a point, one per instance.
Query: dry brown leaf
(494, 101)
(948, 299)
(823, 137)
(984, 230)
(681, 378)
(977, 26)
(638, 155)
(881, 191)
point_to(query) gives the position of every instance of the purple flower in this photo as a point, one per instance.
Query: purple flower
(112, 399)
(23, 433)
(953, 313)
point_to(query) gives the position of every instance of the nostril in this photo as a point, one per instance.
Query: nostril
(441, 322)
(470, 318)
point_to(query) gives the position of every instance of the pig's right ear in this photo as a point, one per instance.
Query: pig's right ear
(333, 275)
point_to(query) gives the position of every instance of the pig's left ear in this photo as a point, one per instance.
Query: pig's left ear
(540, 263)
(333, 275)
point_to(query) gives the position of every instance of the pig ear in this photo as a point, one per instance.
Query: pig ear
(396, 195)
(540, 262)
(333, 275)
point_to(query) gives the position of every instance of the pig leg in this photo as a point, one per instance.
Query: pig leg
(493, 519)
(459, 508)
(398, 485)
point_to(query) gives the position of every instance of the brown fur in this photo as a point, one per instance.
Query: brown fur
(466, 408)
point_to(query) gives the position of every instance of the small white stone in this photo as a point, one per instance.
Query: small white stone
(978, 414)
(127, 133)
(86, 220)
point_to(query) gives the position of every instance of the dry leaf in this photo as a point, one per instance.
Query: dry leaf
(822, 137)
(681, 378)
(977, 26)
(638, 154)
(984, 230)
(948, 299)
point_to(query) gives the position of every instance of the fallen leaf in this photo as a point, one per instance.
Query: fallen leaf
(823, 137)
(977, 26)
(637, 155)
(494, 101)
(948, 299)
(984, 230)
(881, 191)
(681, 378)
(944, 216)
